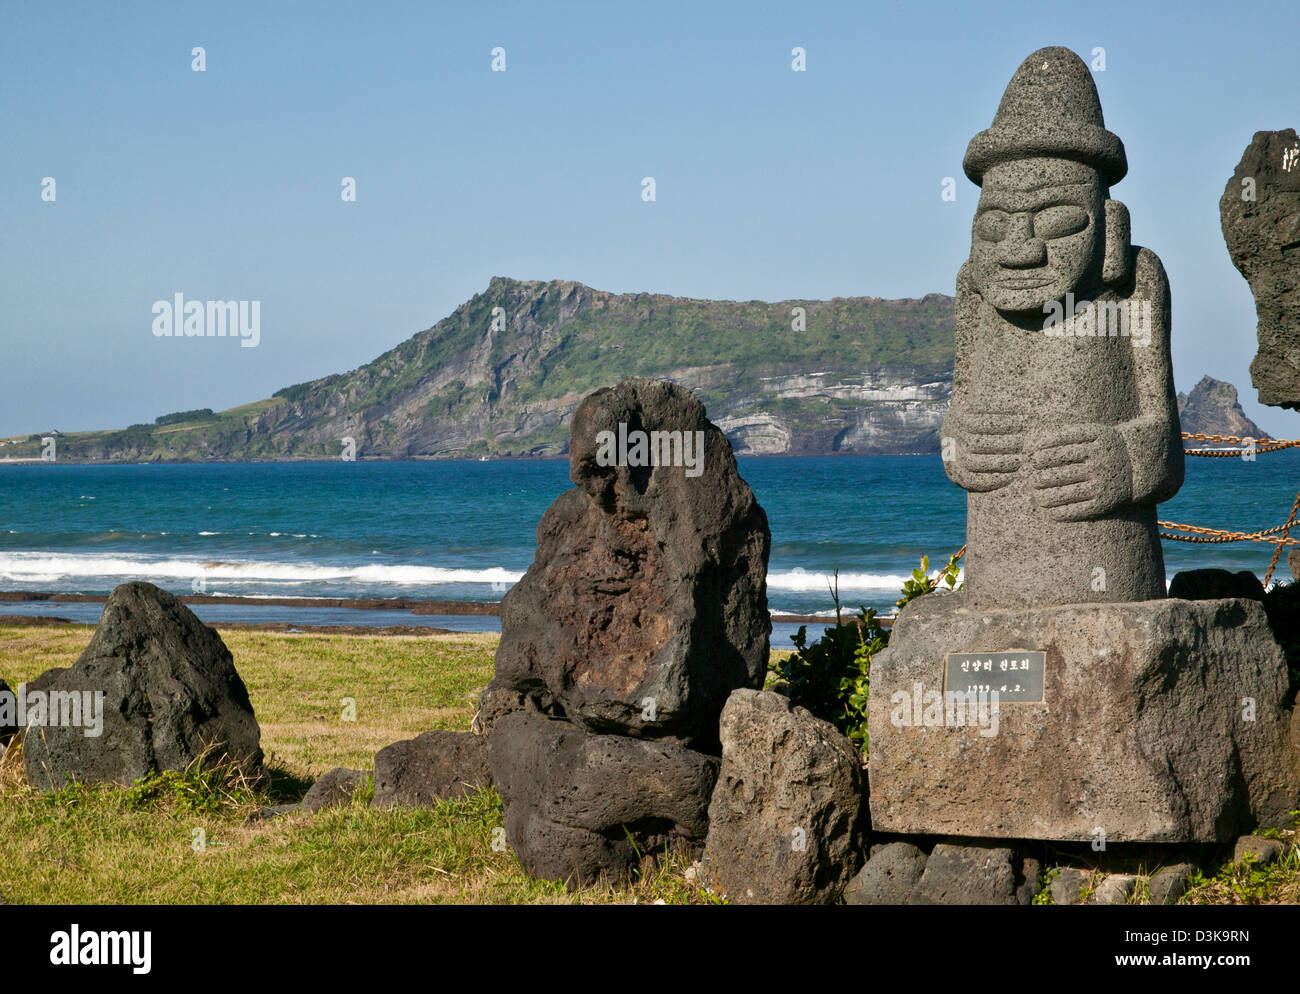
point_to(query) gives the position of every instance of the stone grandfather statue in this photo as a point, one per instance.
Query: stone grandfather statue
(1108, 707)
(1063, 426)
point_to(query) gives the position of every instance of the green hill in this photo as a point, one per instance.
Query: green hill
(863, 375)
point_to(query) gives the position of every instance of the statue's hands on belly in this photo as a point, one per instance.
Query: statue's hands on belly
(988, 450)
(1081, 472)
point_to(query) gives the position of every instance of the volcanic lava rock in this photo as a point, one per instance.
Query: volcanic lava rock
(580, 807)
(8, 715)
(1260, 215)
(976, 874)
(1215, 584)
(785, 820)
(888, 876)
(434, 766)
(333, 790)
(645, 605)
(1160, 721)
(165, 687)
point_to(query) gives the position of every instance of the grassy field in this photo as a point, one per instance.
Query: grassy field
(140, 845)
(188, 839)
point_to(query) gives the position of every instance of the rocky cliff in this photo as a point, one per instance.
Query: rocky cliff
(502, 375)
(1212, 408)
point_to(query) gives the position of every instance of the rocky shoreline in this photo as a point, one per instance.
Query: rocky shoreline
(421, 607)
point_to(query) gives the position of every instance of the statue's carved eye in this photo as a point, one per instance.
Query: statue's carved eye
(1060, 221)
(991, 225)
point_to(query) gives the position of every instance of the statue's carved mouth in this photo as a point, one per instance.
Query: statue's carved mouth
(1022, 282)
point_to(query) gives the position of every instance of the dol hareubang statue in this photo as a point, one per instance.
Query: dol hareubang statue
(1063, 426)
(1118, 709)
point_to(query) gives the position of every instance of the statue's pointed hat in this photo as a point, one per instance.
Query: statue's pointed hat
(1050, 108)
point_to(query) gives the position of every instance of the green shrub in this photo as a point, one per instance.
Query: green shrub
(199, 414)
(832, 676)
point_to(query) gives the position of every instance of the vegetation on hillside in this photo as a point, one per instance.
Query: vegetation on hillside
(502, 373)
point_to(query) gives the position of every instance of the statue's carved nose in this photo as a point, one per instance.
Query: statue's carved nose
(1020, 248)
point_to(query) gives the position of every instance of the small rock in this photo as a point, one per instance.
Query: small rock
(889, 875)
(1263, 850)
(431, 767)
(274, 811)
(1166, 886)
(1215, 584)
(785, 819)
(1032, 872)
(334, 790)
(968, 875)
(1069, 884)
(1115, 888)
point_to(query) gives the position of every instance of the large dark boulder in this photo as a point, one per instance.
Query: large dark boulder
(170, 695)
(431, 767)
(645, 605)
(581, 807)
(785, 822)
(1260, 215)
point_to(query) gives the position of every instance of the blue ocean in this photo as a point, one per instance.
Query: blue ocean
(465, 531)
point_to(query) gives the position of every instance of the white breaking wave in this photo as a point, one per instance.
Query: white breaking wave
(813, 582)
(40, 567)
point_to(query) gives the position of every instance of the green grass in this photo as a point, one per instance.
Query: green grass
(1248, 883)
(139, 844)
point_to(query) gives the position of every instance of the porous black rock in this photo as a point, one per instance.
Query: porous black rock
(976, 874)
(333, 790)
(171, 697)
(785, 822)
(888, 876)
(1215, 584)
(431, 767)
(645, 605)
(1260, 216)
(581, 807)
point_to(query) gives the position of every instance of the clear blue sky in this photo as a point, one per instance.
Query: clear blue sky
(771, 184)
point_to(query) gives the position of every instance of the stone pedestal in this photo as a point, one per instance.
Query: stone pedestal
(1159, 721)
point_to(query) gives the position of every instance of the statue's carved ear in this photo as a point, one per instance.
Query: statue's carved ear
(1115, 267)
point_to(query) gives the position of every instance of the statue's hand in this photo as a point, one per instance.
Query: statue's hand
(1082, 472)
(981, 449)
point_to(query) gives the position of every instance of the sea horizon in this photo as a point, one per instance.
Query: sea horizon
(427, 530)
